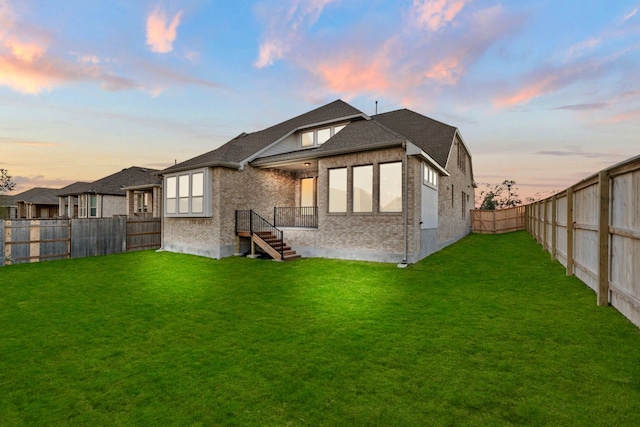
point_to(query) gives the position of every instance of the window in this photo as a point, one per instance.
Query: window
(170, 185)
(143, 201)
(323, 135)
(430, 176)
(197, 192)
(464, 206)
(82, 206)
(462, 157)
(306, 192)
(363, 188)
(307, 139)
(188, 194)
(338, 190)
(319, 136)
(391, 187)
(93, 205)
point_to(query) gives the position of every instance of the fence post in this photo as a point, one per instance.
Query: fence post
(554, 225)
(603, 239)
(570, 231)
(545, 237)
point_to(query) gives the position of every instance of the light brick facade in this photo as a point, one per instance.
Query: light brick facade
(376, 236)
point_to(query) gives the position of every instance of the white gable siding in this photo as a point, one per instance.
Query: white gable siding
(287, 145)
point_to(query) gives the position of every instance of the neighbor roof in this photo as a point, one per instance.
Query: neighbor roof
(114, 183)
(242, 147)
(38, 195)
(71, 189)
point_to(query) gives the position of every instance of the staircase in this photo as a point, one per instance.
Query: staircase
(275, 247)
(264, 234)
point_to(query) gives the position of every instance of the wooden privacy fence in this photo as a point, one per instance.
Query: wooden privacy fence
(498, 221)
(593, 229)
(48, 239)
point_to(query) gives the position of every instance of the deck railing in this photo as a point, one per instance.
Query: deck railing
(303, 216)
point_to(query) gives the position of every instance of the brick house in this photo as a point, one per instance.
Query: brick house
(119, 194)
(332, 182)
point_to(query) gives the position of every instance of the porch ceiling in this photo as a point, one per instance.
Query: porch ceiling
(293, 165)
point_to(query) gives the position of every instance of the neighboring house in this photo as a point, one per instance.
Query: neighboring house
(145, 198)
(7, 209)
(332, 182)
(36, 203)
(68, 199)
(105, 197)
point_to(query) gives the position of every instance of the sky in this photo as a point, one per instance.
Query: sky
(543, 92)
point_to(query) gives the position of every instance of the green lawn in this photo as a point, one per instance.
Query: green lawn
(489, 331)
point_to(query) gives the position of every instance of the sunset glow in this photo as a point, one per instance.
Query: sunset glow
(543, 93)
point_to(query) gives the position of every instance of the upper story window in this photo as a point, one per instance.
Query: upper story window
(188, 194)
(430, 177)
(462, 157)
(317, 137)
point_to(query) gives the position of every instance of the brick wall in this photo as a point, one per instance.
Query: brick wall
(452, 225)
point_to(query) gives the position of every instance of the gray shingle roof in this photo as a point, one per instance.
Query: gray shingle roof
(114, 183)
(433, 137)
(71, 189)
(359, 135)
(363, 133)
(234, 152)
(39, 195)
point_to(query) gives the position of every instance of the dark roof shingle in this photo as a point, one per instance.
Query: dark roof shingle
(114, 183)
(433, 137)
(39, 195)
(244, 146)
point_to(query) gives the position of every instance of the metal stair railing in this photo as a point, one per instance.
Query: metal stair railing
(255, 224)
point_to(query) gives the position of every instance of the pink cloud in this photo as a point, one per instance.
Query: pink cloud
(285, 22)
(160, 32)
(446, 71)
(435, 14)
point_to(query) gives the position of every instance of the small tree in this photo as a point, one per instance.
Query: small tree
(6, 185)
(500, 196)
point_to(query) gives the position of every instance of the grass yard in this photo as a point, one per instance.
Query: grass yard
(486, 332)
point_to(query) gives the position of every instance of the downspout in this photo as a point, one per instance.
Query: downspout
(405, 205)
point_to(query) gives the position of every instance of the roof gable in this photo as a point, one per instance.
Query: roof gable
(433, 137)
(246, 146)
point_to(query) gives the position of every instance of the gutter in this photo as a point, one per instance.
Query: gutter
(405, 206)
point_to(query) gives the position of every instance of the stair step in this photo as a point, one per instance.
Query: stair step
(292, 257)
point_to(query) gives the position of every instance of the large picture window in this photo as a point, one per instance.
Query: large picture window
(391, 187)
(338, 190)
(188, 194)
(363, 188)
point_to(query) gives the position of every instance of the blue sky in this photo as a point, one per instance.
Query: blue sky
(544, 93)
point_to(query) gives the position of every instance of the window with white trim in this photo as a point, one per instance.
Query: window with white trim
(188, 194)
(430, 176)
(317, 137)
(93, 206)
